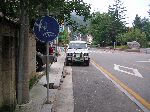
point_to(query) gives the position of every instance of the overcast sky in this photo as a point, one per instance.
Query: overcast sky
(133, 7)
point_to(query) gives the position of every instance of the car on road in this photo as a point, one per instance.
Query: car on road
(77, 51)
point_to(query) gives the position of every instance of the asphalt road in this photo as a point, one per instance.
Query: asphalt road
(114, 82)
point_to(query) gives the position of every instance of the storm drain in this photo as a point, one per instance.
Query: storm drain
(51, 85)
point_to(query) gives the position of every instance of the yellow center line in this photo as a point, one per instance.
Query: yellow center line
(124, 86)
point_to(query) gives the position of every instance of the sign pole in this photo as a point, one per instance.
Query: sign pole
(46, 29)
(47, 71)
(47, 67)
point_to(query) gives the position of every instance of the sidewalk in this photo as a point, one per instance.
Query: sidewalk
(38, 93)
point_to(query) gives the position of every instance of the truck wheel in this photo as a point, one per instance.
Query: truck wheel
(87, 63)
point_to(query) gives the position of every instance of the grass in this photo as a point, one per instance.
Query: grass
(33, 81)
(122, 47)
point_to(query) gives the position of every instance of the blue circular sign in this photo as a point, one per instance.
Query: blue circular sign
(46, 28)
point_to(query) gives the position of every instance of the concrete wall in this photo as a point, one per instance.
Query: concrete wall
(9, 62)
(8, 72)
(1, 97)
(145, 50)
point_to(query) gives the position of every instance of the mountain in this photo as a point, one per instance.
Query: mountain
(79, 19)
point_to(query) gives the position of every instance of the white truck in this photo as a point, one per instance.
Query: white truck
(77, 51)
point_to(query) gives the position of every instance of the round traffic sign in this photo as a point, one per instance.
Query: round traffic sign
(46, 28)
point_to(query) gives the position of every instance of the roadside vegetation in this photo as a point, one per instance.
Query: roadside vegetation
(110, 27)
(106, 28)
(60, 9)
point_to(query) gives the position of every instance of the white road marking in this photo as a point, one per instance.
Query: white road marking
(100, 51)
(144, 61)
(135, 71)
(124, 90)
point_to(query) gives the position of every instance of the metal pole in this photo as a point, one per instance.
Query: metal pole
(114, 45)
(47, 71)
(56, 46)
(47, 67)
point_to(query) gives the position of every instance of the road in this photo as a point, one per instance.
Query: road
(114, 82)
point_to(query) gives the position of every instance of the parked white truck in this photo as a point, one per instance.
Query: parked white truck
(77, 51)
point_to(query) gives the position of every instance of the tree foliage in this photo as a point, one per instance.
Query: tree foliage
(107, 26)
(63, 37)
(60, 9)
(137, 23)
(146, 28)
(10, 8)
(99, 27)
(132, 35)
(143, 25)
(117, 24)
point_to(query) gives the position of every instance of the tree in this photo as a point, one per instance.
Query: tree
(63, 37)
(143, 25)
(146, 28)
(60, 9)
(10, 8)
(117, 24)
(133, 35)
(137, 23)
(80, 8)
(99, 27)
(107, 26)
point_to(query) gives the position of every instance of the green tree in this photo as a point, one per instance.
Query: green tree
(98, 28)
(137, 23)
(107, 26)
(143, 25)
(117, 24)
(63, 37)
(133, 35)
(146, 28)
(10, 8)
(60, 9)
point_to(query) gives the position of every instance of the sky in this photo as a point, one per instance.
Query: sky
(133, 7)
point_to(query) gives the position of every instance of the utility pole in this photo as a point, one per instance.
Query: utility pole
(23, 68)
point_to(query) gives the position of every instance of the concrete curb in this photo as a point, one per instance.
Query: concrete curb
(65, 101)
